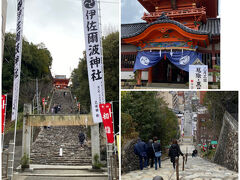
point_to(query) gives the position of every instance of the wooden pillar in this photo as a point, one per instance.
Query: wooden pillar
(170, 74)
(213, 55)
(213, 60)
(139, 77)
(150, 75)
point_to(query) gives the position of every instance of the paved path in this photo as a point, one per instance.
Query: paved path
(201, 169)
(147, 174)
(195, 169)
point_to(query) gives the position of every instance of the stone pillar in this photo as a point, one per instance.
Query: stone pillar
(150, 75)
(139, 77)
(26, 137)
(95, 141)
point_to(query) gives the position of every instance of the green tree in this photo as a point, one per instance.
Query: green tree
(80, 85)
(36, 63)
(152, 116)
(219, 101)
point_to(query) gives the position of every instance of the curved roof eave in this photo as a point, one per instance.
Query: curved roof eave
(187, 29)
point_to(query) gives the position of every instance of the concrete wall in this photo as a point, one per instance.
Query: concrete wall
(59, 120)
(127, 75)
(227, 149)
(130, 75)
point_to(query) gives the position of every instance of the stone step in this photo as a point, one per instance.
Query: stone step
(45, 149)
(75, 159)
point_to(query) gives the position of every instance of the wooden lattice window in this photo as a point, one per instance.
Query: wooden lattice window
(207, 60)
(127, 60)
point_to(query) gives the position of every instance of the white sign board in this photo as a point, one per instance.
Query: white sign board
(94, 56)
(18, 59)
(198, 77)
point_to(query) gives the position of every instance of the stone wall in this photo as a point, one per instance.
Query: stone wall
(227, 149)
(130, 161)
(10, 135)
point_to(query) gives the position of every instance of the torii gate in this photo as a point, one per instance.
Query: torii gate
(30, 120)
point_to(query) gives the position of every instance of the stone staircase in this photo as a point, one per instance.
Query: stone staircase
(46, 148)
(65, 101)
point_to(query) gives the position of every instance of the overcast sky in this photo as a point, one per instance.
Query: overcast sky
(131, 11)
(59, 25)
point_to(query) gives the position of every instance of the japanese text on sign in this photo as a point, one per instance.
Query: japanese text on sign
(106, 113)
(198, 77)
(94, 56)
(17, 60)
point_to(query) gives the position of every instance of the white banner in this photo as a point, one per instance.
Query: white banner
(198, 77)
(94, 56)
(18, 58)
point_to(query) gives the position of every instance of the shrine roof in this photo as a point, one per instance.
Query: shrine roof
(212, 27)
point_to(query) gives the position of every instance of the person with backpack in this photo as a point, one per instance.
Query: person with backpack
(150, 153)
(140, 149)
(157, 152)
(174, 151)
(81, 138)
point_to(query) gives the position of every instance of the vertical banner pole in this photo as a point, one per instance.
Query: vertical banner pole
(113, 127)
(17, 74)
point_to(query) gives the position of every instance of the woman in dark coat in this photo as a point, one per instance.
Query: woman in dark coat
(156, 148)
(174, 151)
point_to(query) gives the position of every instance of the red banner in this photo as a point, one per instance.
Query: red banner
(106, 113)
(3, 110)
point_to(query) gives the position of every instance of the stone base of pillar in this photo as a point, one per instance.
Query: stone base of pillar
(95, 141)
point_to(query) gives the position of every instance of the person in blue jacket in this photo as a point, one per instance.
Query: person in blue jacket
(140, 149)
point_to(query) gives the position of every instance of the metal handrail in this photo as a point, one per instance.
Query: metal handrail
(177, 167)
(6, 174)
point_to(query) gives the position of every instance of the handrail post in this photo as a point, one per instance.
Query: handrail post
(177, 168)
(186, 158)
(183, 163)
(7, 165)
(115, 164)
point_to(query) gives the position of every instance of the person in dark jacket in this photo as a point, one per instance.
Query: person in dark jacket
(158, 178)
(55, 109)
(81, 137)
(140, 149)
(174, 151)
(150, 153)
(194, 153)
(156, 148)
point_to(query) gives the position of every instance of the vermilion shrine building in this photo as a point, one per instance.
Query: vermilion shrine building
(60, 82)
(176, 33)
